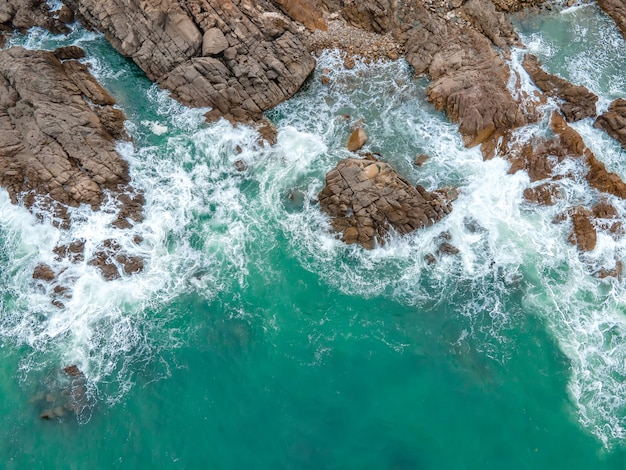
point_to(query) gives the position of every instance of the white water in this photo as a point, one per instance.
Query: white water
(204, 220)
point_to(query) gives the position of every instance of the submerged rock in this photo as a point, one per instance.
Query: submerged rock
(366, 200)
(613, 121)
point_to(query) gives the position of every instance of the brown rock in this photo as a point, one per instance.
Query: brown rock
(43, 272)
(576, 102)
(65, 15)
(240, 165)
(24, 14)
(54, 144)
(357, 139)
(545, 194)
(583, 234)
(349, 62)
(458, 58)
(613, 121)
(366, 200)
(214, 42)
(371, 15)
(69, 52)
(420, 160)
(325, 80)
(305, 12)
(448, 249)
(73, 371)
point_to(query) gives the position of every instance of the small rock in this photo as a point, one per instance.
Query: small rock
(43, 272)
(59, 411)
(349, 62)
(66, 15)
(240, 165)
(448, 249)
(420, 160)
(50, 398)
(430, 258)
(325, 80)
(356, 140)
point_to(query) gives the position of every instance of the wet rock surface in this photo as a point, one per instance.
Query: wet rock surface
(239, 58)
(576, 102)
(367, 199)
(613, 121)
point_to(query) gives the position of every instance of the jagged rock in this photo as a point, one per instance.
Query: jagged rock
(54, 143)
(583, 234)
(24, 14)
(109, 257)
(371, 15)
(72, 251)
(577, 102)
(613, 121)
(493, 24)
(305, 12)
(458, 60)
(240, 165)
(367, 199)
(616, 9)
(349, 62)
(544, 194)
(447, 249)
(261, 61)
(43, 272)
(73, 371)
(357, 139)
(69, 52)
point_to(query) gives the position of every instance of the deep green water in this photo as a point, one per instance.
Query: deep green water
(254, 339)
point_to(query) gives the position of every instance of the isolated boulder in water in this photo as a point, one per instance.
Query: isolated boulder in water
(367, 199)
(356, 140)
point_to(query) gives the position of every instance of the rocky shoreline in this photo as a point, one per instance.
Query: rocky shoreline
(241, 58)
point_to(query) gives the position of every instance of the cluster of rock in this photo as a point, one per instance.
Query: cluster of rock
(59, 130)
(66, 395)
(366, 199)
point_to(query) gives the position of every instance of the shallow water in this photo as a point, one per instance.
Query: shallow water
(255, 339)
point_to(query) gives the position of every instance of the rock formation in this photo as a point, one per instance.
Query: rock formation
(458, 58)
(24, 14)
(366, 199)
(613, 121)
(238, 57)
(576, 102)
(59, 128)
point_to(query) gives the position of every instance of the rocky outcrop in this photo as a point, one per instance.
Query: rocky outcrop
(372, 15)
(583, 234)
(366, 199)
(616, 9)
(238, 57)
(59, 128)
(575, 102)
(54, 143)
(613, 121)
(458, 58)
(24, 14)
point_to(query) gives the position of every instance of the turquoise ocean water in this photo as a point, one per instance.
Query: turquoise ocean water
(254, 339)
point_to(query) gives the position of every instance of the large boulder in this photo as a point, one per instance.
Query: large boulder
(613, 121)
(367, 199)
(576, 102)
(238, 57)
